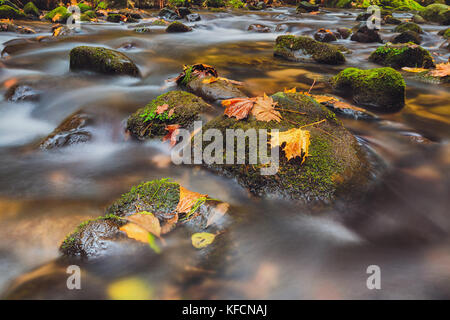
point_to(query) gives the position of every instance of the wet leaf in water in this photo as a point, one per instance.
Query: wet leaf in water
(296, 142)
(130, 289)
(219, 211)
(409, 69)
(202, 239)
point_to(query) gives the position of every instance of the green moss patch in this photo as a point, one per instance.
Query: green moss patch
(402, 55)
(7, 12)
(411, 26)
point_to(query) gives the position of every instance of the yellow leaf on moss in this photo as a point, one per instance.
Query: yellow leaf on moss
(293, 90)
(202, 239)
(188, 199)
(296, 142)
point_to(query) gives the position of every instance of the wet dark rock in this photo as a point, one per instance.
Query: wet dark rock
(184, 12)
(168, 14)
(22, 92)
(306, 49)
(193, 17)
(381, 89)
(344, 32)
(334, 166)
(402, 55)
(366, 35)
(145, 123)
(436, 12)
(445, 33)
(11, 27)
(405, 26)
(259, 28)
(71, 131)
(177, 27)
(324, 35)
(142, 30)
(88, 16)
(305, 6)
(102, 60)
(256, 6)
(391, 20)
(418, 19)
(115, 17)
(134, 16)
(408, 36)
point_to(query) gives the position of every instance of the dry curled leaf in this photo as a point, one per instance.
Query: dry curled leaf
(188, 199)
(296, 142)
(238, 107)
(202, 239)
(264, 110)
(173, 130)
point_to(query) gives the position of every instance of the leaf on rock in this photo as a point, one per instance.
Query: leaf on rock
(238, 107)
(202, 239)
(442, 70)
(147, 221)
(170, 224)
(56, 17)
(296, 142)
(293, 90)
(171, 111)
(409, 69)
(188, 199)
(57, 31)
(160, 109)
(264, 110)
(214, 79)
(135, 232)
(173, 130)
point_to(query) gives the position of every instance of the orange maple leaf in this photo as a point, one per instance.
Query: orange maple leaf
(264, 110)
(173, 130)
(188, 199)
(442, 70)
(238, 107)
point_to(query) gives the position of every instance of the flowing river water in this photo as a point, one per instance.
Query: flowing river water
(283, 251)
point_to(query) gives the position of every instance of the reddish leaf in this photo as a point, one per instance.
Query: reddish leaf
(173, 130)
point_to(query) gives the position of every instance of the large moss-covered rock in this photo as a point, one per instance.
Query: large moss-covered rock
(102, 60)
(7, 12)
(365, 35)
(177, 27)
(336, 165)
(62, 13)
(305, 49)
(405, 26)
(382, 89)
(31, 9)
(437, 13)
(217, 90)
(407, 36)
(88, 16)
(402, 55)
(305, 6)
(147, 123)
(99, 237)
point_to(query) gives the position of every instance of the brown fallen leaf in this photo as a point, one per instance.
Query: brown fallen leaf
(296, 142)
(238, 107)
(188, 199)
(442, 70)
(171, 111)
(173, 130)
(264, 110)
(135, 232)
(160, 109)
(147, 221)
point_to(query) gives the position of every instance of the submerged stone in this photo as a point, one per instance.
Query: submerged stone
(402, 55)
(102, 60)
(306, 49)
(178, 27)
(366, 35)
(184, 108)
(381, 89)
(407, 36)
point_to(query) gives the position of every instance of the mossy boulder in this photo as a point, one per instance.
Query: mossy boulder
(391, 20)
(102, 60)
(408, 36)
(88, 16)
(305, 6)
(324, 35)
(98, 237)
(114, 17)
(217, 90)
(84, 7)
(402, 55)
(62, 13)
(380, 89)
(7, 12)
(418, 19)
(366, 35)
(344, 32)
(306, 49)
(102, 5)
(405, 26)
(147, 123)
(215, 3)
(177, 27)
(437, 12)
(445, 33)
(168, 14)
(159, 22)
(336, 165)
(31, 9)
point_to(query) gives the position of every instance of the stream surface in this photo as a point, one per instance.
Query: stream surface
(283, 251)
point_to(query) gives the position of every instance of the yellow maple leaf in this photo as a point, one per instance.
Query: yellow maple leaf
(293, 90)
(56, 17)
(57, 31)
(202, 239)
(135, 232)
(296, 142)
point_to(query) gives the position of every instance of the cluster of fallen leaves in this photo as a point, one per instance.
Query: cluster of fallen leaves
(441, 70)
(144, 226)
(262, 108)
(196, 70)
